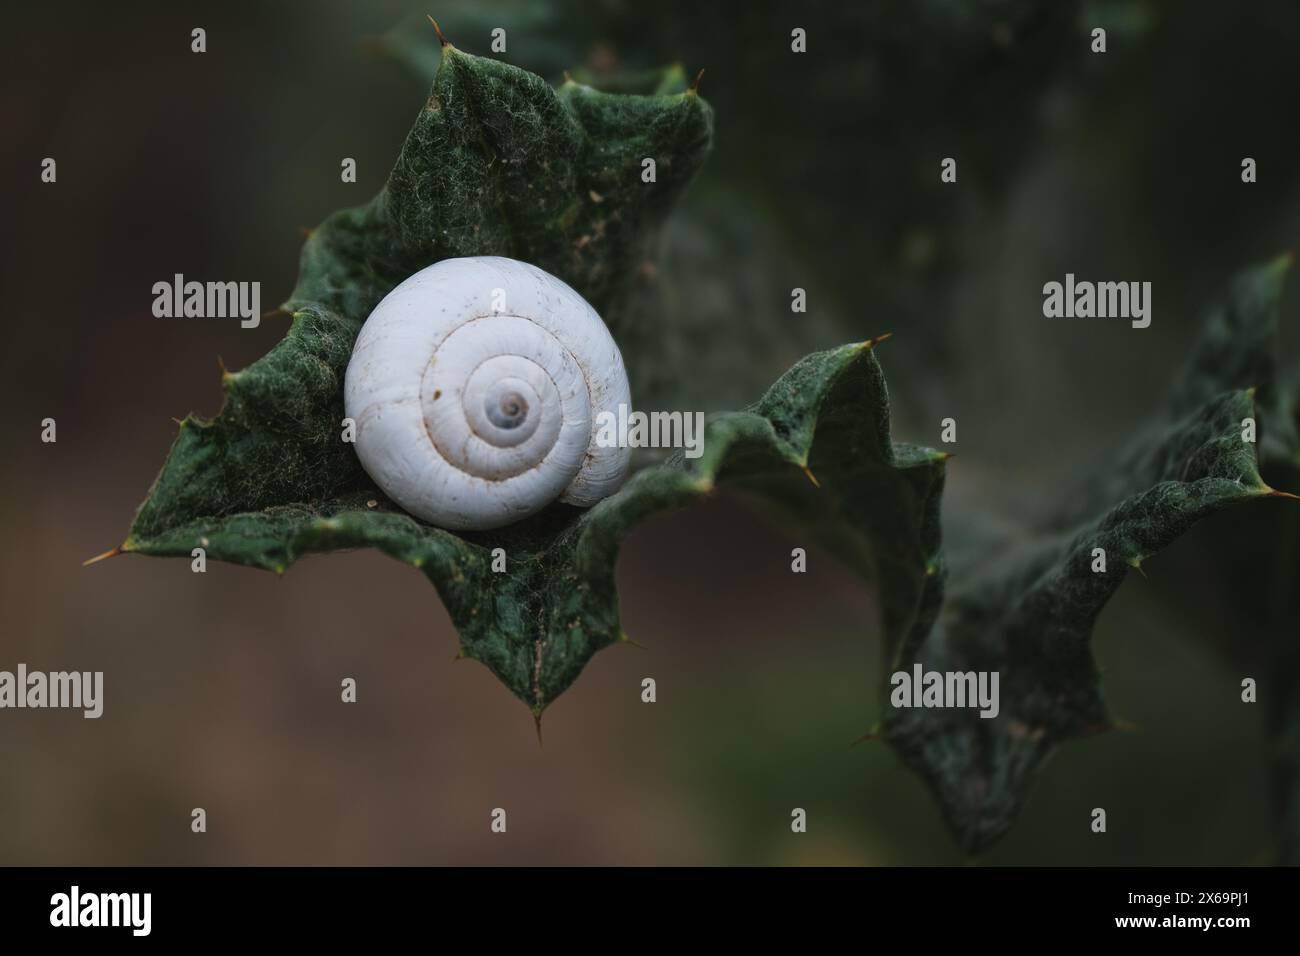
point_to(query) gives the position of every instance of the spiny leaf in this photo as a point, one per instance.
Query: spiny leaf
(1030, 614)
(499, 163)
(1239, 349)
(1032, 623)
(537, 624)
(1250, 561)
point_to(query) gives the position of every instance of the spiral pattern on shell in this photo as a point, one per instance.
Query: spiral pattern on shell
(475, 386)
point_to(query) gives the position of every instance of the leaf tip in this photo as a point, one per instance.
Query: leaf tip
(694, 88)
(871, 343)
(811, 477)
(1275, 493)
(442, 39)
(110, 553)
(625, 638)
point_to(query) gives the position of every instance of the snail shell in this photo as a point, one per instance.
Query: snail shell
(475, 386)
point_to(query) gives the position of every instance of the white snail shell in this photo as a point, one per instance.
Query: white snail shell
(475, 386)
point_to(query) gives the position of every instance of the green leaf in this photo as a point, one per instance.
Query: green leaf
(499, 163)
(536, 625)
(1239, 348)
(1029, 614)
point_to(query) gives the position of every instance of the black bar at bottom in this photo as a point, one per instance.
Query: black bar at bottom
(337, 905)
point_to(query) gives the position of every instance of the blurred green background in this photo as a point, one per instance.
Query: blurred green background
(222, 690)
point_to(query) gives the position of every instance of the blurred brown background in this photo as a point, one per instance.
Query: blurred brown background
(222, 690)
